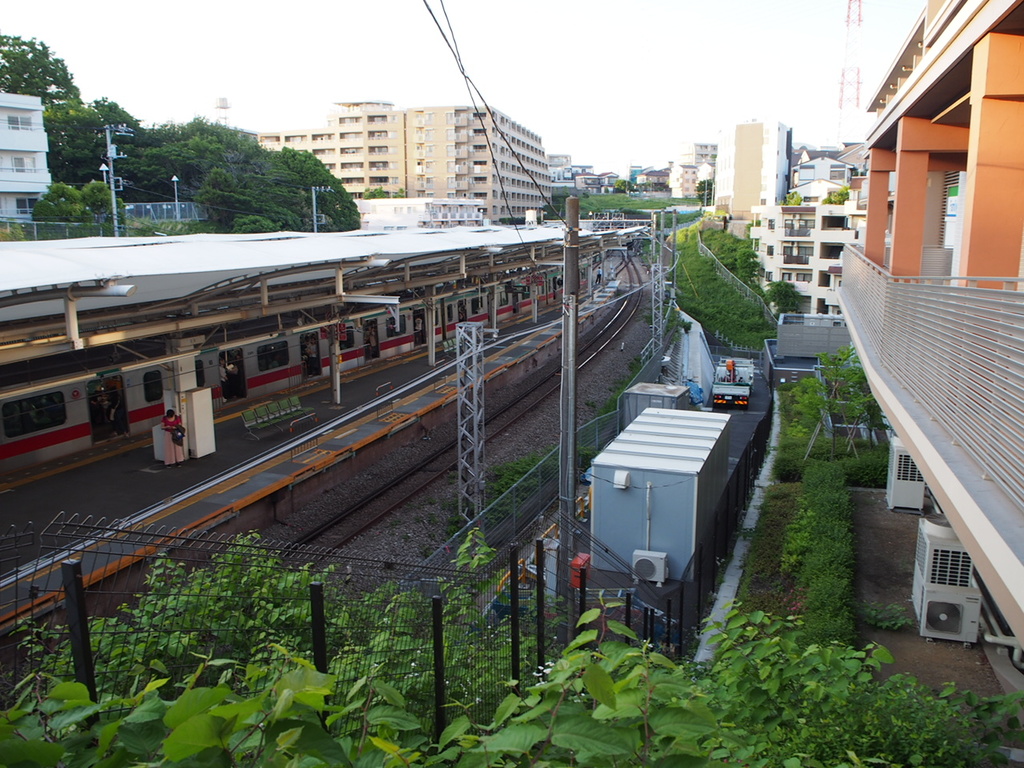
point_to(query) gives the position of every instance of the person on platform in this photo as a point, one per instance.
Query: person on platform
(174, 451)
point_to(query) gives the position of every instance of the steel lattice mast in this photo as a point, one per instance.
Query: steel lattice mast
(849, 82)
(470, 366)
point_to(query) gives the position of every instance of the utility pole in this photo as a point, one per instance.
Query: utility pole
(116, 183)
(470, 367)
(657, 287)
(316, 217)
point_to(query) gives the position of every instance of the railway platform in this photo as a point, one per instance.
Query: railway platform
(121, 479)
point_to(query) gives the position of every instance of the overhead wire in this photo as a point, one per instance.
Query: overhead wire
(471, 88)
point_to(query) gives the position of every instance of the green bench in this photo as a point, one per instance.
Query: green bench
(276, 414)
(450, 346)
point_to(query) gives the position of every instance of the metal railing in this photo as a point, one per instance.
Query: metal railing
(956, 345)
(740, 286)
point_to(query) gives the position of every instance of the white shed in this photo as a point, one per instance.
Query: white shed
(655, 490)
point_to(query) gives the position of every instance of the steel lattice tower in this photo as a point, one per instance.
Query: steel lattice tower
(849, 82)
(469, 338)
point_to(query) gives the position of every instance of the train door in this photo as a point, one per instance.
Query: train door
(419, 327)
(371, 341)
(108, 408)
(312, 361)
(232, 373)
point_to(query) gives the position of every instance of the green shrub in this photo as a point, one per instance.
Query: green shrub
(869, 469)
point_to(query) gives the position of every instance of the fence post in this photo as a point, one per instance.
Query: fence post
(319, 626)
(439, 689)
(78, 625)
(513, 603)
(629, 610)
(582, 598)
(538, 558)
(668, 623)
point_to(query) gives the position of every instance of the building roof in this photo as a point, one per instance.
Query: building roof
(667, 440)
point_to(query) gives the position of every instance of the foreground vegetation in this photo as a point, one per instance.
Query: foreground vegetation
(770, 698)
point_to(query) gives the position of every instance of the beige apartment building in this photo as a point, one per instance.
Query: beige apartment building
(453, 152)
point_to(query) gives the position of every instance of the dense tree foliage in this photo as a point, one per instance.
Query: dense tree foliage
(27, 67)
(784, 296)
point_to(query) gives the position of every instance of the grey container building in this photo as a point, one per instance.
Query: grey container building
(655, 489)
(645, 395)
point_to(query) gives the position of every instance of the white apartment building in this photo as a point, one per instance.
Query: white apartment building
(697, 153)
(803, 245)
(682, 180)
(393, 214)
(24, 176)
(447, 151)
(753, 167)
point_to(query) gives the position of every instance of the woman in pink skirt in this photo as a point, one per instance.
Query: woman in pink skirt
(174, 453)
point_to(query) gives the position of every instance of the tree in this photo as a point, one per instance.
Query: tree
(706, 191)
(624, 186)
(306, 171)
(784, 295)
(27, 67)
(375, 194)
(838, 197)
(77, 140)
(794, 198)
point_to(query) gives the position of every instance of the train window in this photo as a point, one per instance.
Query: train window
(347, 336)
(200, 373)
(153, 386)
(33, 414)
(398, 329)
(273, 355)
(475, 305)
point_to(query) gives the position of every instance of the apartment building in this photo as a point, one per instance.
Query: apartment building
(398, 213)
(803, 245)
(752, 167)
(682, 179)
(933, 295)
(24, 176)
(428, 152)
(695, 153)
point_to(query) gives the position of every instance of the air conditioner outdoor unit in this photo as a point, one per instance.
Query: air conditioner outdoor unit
(650, 566)
(947, 600)
(905, 486)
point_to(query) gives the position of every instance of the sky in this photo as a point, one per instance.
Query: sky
(613, 84)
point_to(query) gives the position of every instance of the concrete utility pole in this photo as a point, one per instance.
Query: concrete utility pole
(115, 182)
(470, 366)
(570, 312)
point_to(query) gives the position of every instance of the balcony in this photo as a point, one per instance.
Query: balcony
(945, 359)
(798, 232)
(796, 258)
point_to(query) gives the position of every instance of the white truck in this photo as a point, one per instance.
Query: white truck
(733, 379)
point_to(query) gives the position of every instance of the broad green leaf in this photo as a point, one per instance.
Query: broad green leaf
(150, 709)
(399, 719)
(883, 655)
(600, 685)
(192, 702)
(620, 629)
(588, 616)
(70, 717)
(508, 705)
(141, 737)
(587, 737)
(391, 695)
(69, 692)
(192, 736)
(583, 638)
(34, 752)
(684, 761)
(689, 722)
(517, 739)
(287, 739)
(385, 746)
(454, 730)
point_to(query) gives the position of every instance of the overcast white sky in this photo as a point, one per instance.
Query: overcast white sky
(611, 82)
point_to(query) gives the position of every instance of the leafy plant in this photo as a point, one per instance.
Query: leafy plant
(892, 617)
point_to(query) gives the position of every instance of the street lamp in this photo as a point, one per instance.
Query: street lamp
(177, 210)
(104, 170)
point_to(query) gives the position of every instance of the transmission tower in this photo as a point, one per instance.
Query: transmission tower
(470, 366)
(849, 82)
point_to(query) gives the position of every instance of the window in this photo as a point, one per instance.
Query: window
(23, 164)
(396, 329)
(273, 355)
(200, 374)
(152, 386)
(771, 223)
(25, 205)
(346, 336)
(771, 250)
(34, 414)
(19, 122)
(804, 277)
(837, 173)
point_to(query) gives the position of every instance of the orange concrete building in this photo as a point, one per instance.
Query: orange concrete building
(934, 297)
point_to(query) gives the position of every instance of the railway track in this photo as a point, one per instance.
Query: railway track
(377, 505)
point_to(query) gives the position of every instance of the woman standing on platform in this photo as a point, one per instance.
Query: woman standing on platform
(174, 438)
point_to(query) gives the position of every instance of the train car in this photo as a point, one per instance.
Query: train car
(50, 420)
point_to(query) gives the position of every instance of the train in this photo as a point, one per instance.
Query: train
(92, 396)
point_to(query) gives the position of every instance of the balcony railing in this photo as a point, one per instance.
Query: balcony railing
(795, 258)
(956, 346)
(798, 232)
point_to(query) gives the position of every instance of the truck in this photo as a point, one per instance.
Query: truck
(733, 379)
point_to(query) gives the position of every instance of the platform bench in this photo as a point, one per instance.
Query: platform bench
(275, 414)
